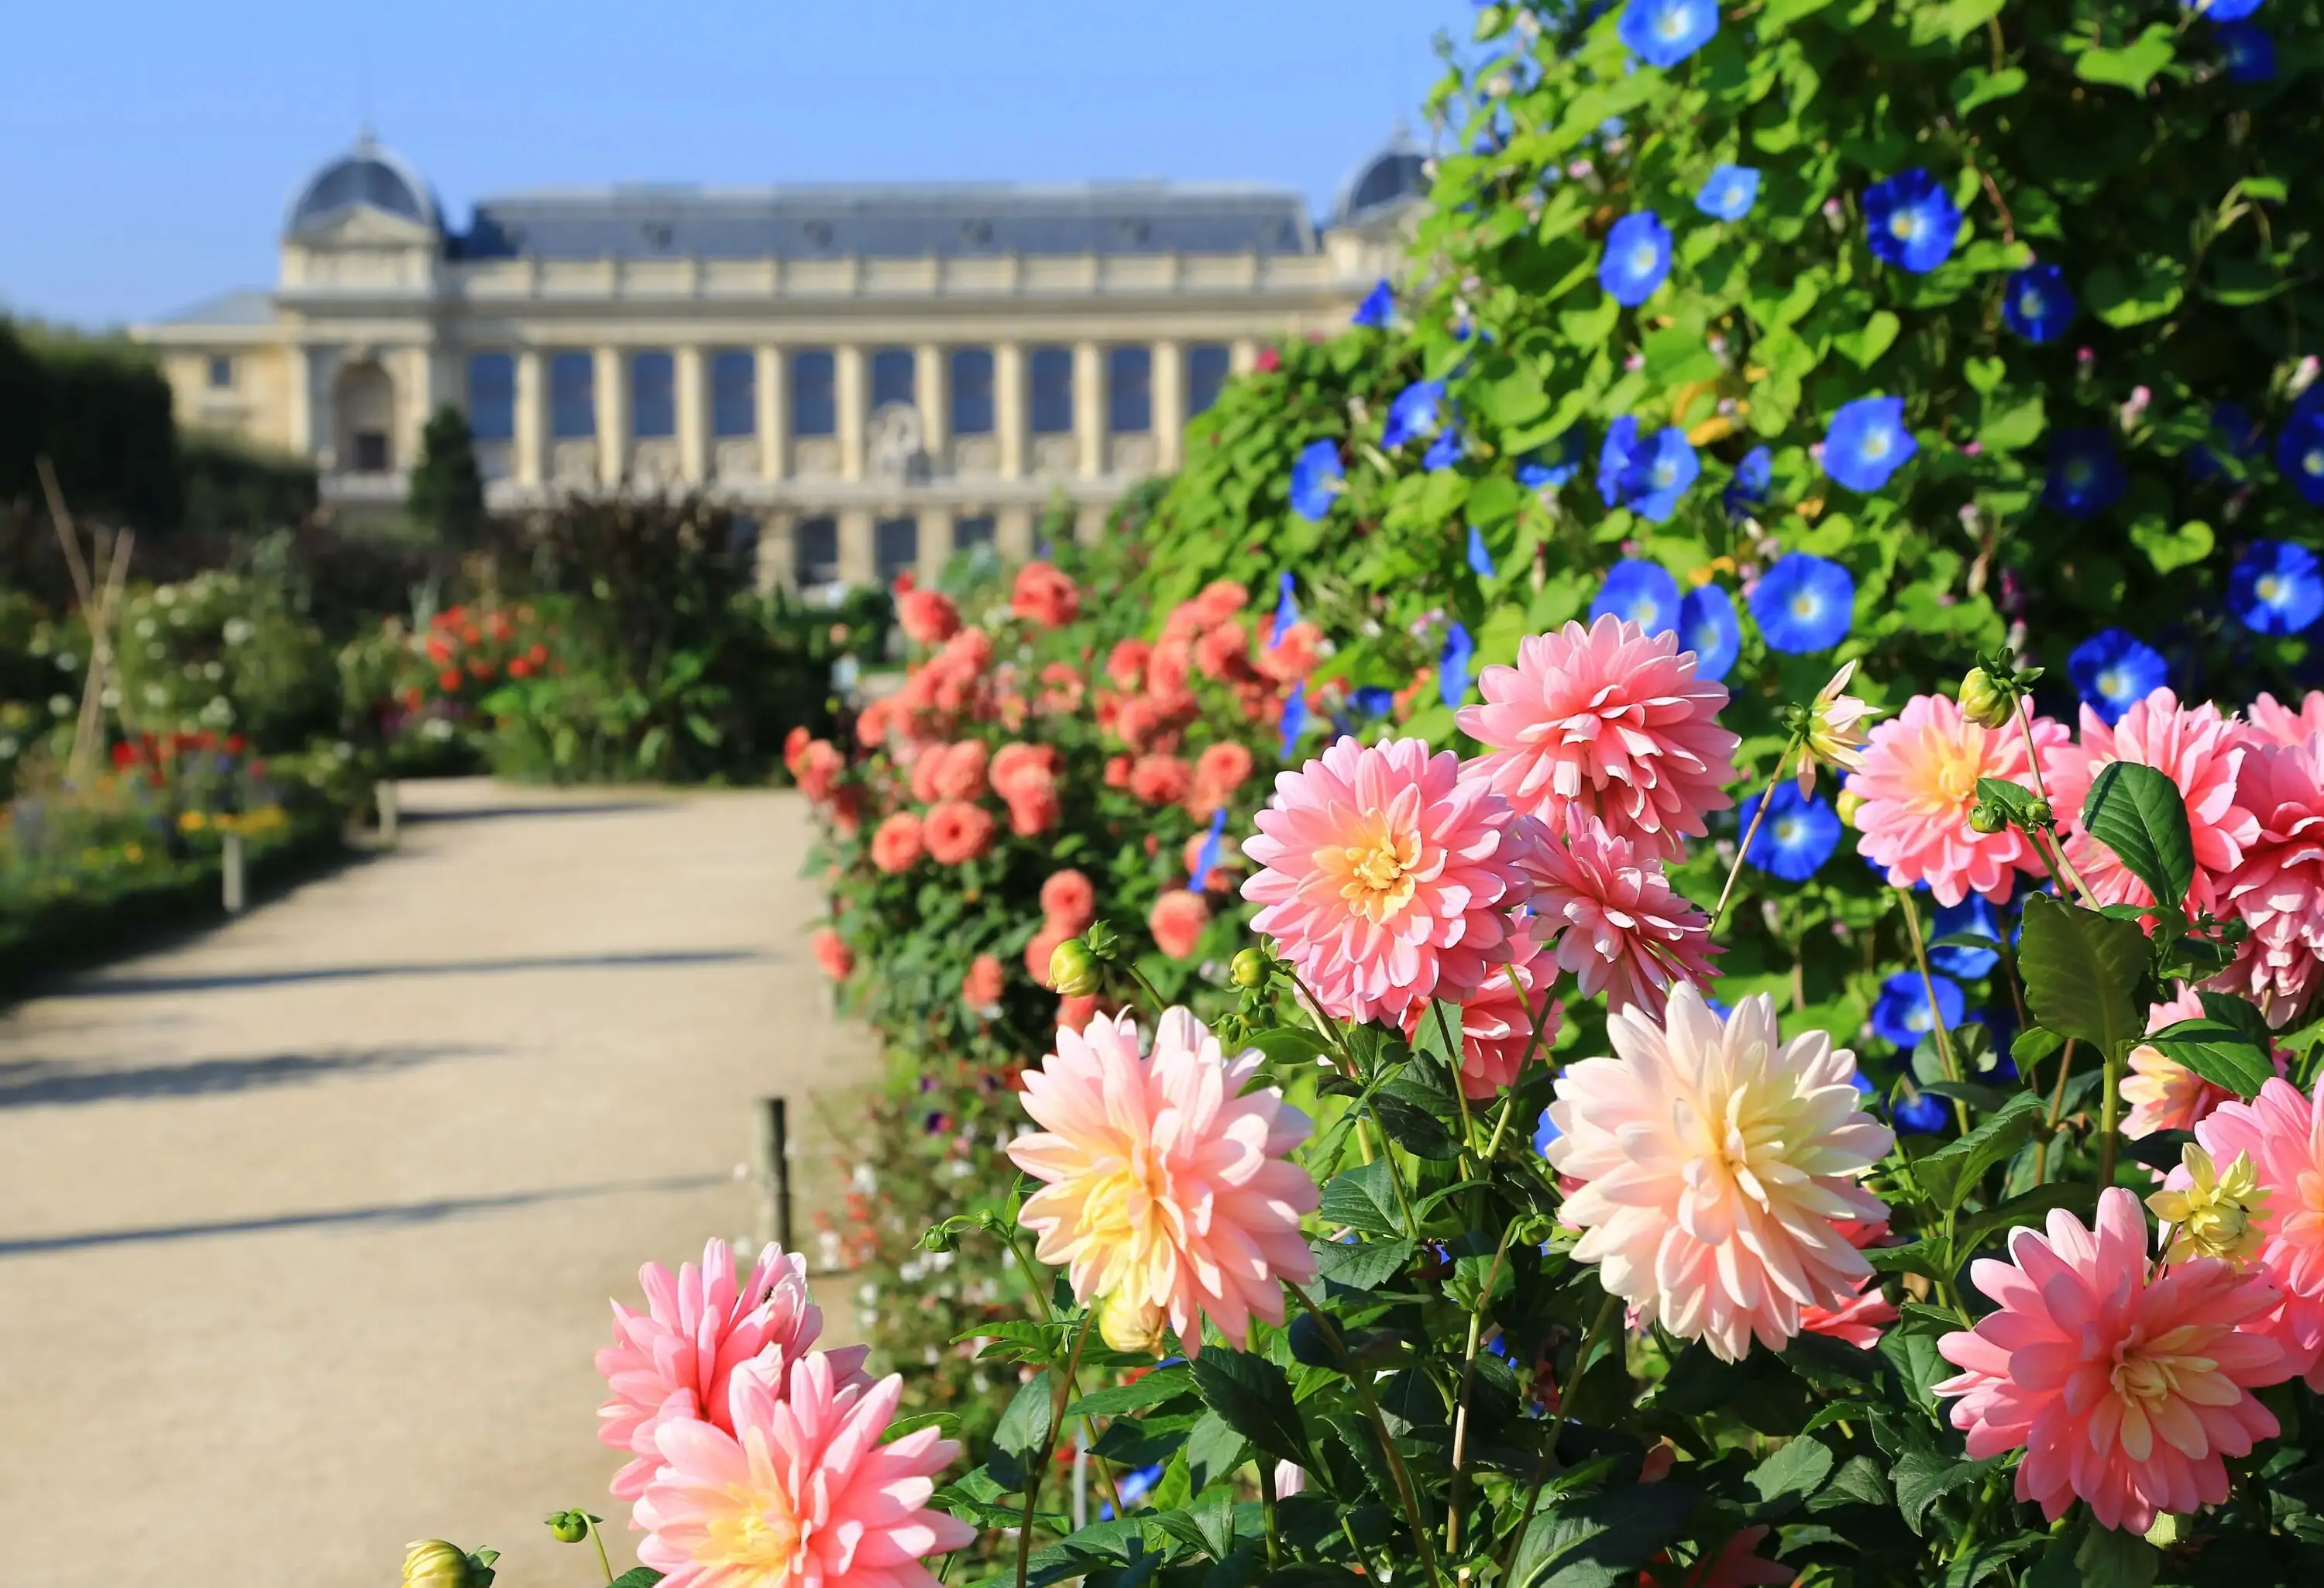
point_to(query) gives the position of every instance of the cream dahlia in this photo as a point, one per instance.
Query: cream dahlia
(2201, 751)
(1617, 922)
(1716, 1163)
(1169, 1190)
(1918, 785)
(1386, 877)
(1609, 719)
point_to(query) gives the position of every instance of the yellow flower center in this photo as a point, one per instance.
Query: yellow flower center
(2216, 1214)
(2269, 589)
(2147, 1373)
(758, 1534)
(1376, 875)
(1954, 773)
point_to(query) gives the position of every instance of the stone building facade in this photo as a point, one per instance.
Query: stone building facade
(877, 376)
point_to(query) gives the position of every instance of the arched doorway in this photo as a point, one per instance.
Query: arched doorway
(365, 406)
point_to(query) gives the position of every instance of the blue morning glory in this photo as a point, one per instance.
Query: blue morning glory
(1729, 192)
(1902, 1014)
(1922, 1114)
(1910, 221)
(2244, 434)
(1374, 310)
(1286, 608)
(1640, 591)
(1664, 32)
(1638, 257)
(1446, 450)
(1797, 835)
(1554, 465)
(1614, 459)
(1707, 626)
(1867, 442)
(2276, 588)
(1206, 859)
(2114, 670)
(1975, 917)
(1413, 414)
(1748, 487)
(2227, 10)
(1544, 1131)
(2300, 450)
(1316, 477)
(1805, 602)
(1372, 702)
(1295, 720)
(1452, 664)
(2084, 475)
(2037, 304)
(2248, 52)
(1481, 557)
(1133, 1487)
(1647, 477)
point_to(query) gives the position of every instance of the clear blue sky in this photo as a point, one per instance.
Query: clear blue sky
(147, 149)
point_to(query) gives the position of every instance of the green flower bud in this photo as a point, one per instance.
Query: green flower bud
(568, 1526)
(1985, 700)
(1103, 942)
(432, 1563)
(1251, 968)
(2040, 814)
(1986, 816)
(1073, 968)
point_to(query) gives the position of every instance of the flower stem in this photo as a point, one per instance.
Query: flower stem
(1357, 1377)
(1757, 816)
(1267, 1505)
(1041, 1463)
(1468, 1378)
(1945, 1059)
(2057, 1108)
(2109, 1112)
(598, 1539)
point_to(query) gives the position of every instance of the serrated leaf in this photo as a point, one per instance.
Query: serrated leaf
(1973, 1230)
(2016, 798)
(2137, 812)
(1952, 1172)
(2082, 973)
(1291, 1045)
(636, 1577)
(1859, 1482)
(1363, 1198)
(1923, 1477)
(2220, 1054)
(1213, 1450)
(1975, 1565)
(1601, 1541)
(1157, 1387)
(1799, 1468)
(1365, 1265)
(1024, 1428)
(2230, 1010)
(1253, 1398)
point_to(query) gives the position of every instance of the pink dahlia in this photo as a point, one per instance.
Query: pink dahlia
(981, 988)
(1386, 877)
(1176, 922)
(1045, 597)
(2283, 1132)
(2278, 890)
(2126, 1387)
(1498, 1020)
(2201, 751)
(1609, 719)
(2164, 1094)
(832, 956)
(1716, 1162)
(896, 843)
(672, 1361)
(1919, 785)
(1861, 1322)
(2274, 723)
(1168, 1189)
(797, 1488)
(1619, 925)
(956, 831)
(1069, 901)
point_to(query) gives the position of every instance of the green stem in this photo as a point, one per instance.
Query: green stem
(1468, 1378)
(1757, 816)
(1267, 1505)
(1533, 1498)
(1153, 996)
(2057, 1108)
(1041, 1463)
(2109, 1112)
(1459, 1093)
(1945, 1059)
(598, 1539)
(1357, 1376)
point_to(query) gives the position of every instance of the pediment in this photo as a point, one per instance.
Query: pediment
(363, 225)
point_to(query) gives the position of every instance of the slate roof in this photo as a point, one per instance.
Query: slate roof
(247, 306)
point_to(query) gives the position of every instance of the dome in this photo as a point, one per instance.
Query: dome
(368, 175)
(1385, 181)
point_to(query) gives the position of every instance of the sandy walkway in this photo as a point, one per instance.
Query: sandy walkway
(306, 1226)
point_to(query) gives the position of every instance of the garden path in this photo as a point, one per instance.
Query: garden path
(306, 1223)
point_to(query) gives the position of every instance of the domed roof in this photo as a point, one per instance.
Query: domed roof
(369, 174)
(1397, 173)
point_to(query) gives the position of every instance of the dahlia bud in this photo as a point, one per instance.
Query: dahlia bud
(1073, 969)
(1250, 968)
(1986, 816)
(1985, 700)
(432, 1563)
(1103, 941)
(1137, 1327)
(2038, 814)
(570, 1527)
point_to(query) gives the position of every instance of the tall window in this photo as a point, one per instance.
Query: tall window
(968, 533)
(815, 409)
(653, 396)
(1052, 369)
(572, 396)
(815, 552)
(221, 371)
(972, 392)
(1129, 390)
(491, 396)
(1206, 374)
(734, 392)
(895, 547)
(891, 376)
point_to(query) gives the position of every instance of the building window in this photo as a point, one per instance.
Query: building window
(1206, 374)
(1052, 370)
(734, 392)
(895, 548)
(492, 397)
(572, 396)
(969, 533)
(653, 396)
(221, 372)
(1130, 391)
(371, 452)
(813, 410)
(972, 392)
(815, 552)
(891, 376)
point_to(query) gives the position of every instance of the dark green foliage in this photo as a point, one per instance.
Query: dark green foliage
(99, 411)
(447, 493)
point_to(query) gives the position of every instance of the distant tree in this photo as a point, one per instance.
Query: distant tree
(448, 490)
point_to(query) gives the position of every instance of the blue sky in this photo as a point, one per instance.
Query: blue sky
(146, 150)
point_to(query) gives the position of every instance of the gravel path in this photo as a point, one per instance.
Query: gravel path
(306, 1224)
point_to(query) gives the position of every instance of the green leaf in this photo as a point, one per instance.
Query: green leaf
(1602, 1540)
(2014, 427)
(2110, 1558)
(2149, 290)
(1799, 1468)
(1922, 1476)
(2016, 798)
(1254, 1398)
(2134, 66)
(1861, 1482)
(1024, 1428)
(2230, 1010)
(1974, 1565)
(2220, 1054)
(1364, 1266)
(1214, 1449)
(2136, 811)
(2168, 549)
(1952, 1172)
(636, 1577)
(1977, 86)
(2082, 973)
(1984, 375)
(1864, 346)
(1975, 1229)
(1363, 1198)
(1291, 1045)
(1157, 1387)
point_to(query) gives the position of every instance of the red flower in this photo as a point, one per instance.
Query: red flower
(832, 954)
(1177, 921)
(1044, 597)
(927, 617)
(956, 831)
(1161, 780)
(981, 987)
(447, 680)
(1126, 663)
(1268, 361)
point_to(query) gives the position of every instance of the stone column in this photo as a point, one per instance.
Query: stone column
(779, 553)
(774, 420)
(1012, 533)
(1242, 356)
(935, 542)
(1089, 409)
(530, 466)
(1009, 416)
(1169, 403)
(612, 417)
(419, 367)
(301, 436)
(858, 569)
(693, 417)
(848, 392)
(929, 380)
